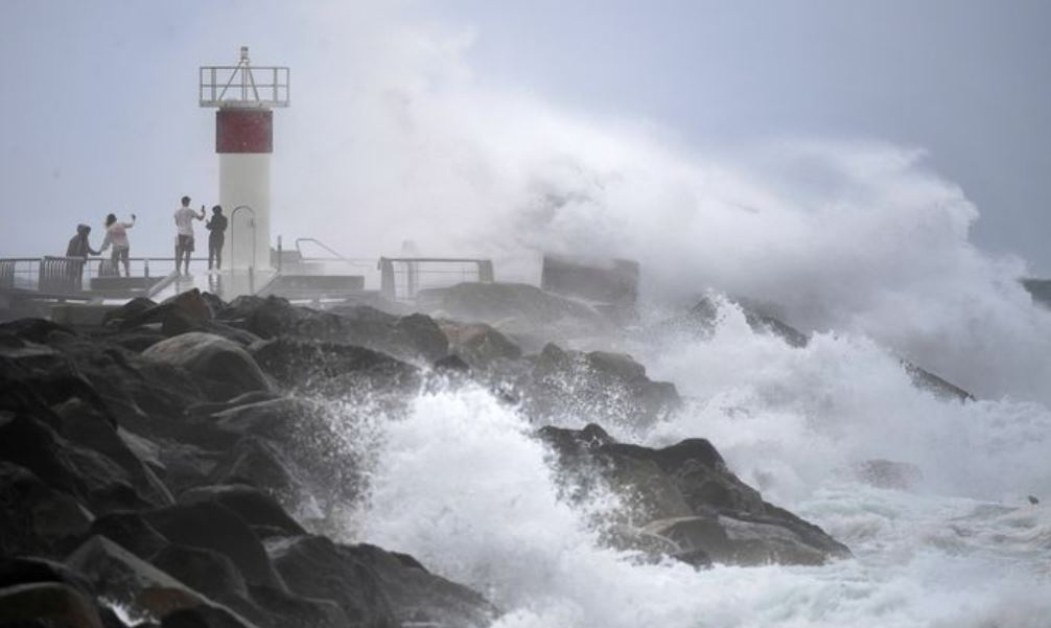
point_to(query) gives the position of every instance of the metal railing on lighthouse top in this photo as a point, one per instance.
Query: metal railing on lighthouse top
(244, 85)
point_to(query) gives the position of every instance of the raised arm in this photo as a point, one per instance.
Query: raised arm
(129, 225)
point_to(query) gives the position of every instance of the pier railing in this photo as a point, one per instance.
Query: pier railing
(56, 277)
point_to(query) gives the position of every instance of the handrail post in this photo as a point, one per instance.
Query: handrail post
(146, 264)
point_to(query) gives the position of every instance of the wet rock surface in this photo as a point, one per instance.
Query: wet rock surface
(685, 494)
(187, 459)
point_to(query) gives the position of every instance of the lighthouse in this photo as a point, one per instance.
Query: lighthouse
(245, 96)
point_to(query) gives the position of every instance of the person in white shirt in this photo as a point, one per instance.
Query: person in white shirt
(117, 236)
(184, 217)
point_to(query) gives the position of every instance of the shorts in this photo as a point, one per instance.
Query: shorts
(185, 243)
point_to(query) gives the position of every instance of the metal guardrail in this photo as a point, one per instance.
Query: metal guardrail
(58, 277)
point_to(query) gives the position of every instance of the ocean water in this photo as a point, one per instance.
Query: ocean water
(858, 242)
(460, 484)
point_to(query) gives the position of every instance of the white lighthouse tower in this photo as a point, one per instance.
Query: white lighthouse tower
(245, 96)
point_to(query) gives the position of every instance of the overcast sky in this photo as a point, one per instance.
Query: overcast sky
(99, 107)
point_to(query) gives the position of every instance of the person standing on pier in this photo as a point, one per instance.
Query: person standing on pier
(217, 227)
(117, 236)
(79, 245)
(184, 217)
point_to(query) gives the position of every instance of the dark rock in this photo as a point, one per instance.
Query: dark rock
(685, 494)
(600, 386)
(314, 567)
(26, 570)
(221, 368)
(84, 425)
(287, 610)
(184, 312)
(130, 311)
(118, 575)
(81, 472)
(941, 388)
(209, 573)
(259, 463)
(252, 505)
(36, 519)
(131, 531)
(203, 617)
(424, 336)
(52, 603)
(210, 525)
(418, 596)
(479, 344)
(327, 366)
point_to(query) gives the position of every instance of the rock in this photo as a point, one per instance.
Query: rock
(260, 464)
(209, 573)
(740, 541)
(131, 531)
(27, 570)
(598, 386)
(119, 576)
(80, 472)
(685, 494)
(314, 567)
(49, 602)
(36, 519)
(221, 368)
(211, 526)
(203, 617)
(941, 388)
(266, 318)
(478, 344)
(331, 367)
(253, 506)
(84, 425)
(423, 336)
(130, 311)
(888, 474)
(418, 596)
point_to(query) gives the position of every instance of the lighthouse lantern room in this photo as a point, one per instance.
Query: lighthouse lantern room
(245, 96)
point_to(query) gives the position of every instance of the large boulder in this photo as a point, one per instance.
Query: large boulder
(315, 567)
(220, 367)
(478, 344)
(596, 386)
(334, 368)
(211, 526)
(35, 518)
(257, 509)
(420, 597)
(146, 592)
(50, 603)
(81, 472)
(685, 496)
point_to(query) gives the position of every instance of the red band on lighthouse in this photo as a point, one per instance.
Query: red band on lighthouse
(244, 131)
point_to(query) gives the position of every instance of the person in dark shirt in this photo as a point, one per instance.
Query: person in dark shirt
(78, 244)
(217, 226)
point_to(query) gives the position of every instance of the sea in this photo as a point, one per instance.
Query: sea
(874, 262)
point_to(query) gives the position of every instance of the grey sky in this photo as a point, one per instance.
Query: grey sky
(98, 111)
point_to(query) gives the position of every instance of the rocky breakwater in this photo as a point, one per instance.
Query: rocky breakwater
(188, 464)
(175, 467)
